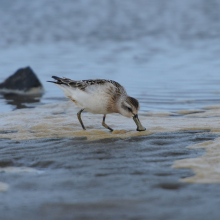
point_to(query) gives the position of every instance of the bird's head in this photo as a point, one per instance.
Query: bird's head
(129, 108)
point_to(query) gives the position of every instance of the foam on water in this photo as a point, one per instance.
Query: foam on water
(3, 187)
(19, 170)
(60, 120)
(206, 167)
(15, 170)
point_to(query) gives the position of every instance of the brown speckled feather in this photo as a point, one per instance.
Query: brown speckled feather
(82, 84)
(100, 96)
(114, 90)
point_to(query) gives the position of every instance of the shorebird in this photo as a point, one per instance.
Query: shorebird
(100, 96)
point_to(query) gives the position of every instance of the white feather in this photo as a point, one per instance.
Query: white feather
(94, 99)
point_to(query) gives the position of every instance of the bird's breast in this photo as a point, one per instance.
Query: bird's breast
(94, 102)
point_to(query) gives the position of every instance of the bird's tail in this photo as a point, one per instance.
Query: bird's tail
(60, 81)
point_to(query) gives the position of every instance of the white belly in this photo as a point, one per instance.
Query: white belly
(95, 103)
(93, 100)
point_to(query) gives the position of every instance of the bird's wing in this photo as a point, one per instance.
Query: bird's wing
(83, 84)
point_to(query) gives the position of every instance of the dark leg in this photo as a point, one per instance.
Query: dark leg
(105, 125)
(80, 120)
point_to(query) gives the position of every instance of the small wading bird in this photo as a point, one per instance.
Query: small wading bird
(100, 96)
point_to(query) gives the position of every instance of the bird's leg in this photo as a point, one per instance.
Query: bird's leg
(105, 125)
(80, 120)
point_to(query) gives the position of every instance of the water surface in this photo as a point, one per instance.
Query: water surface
(162, 77)
(113, 179)
(166, 54)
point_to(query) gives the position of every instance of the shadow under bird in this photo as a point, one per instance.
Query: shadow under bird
(100, 96)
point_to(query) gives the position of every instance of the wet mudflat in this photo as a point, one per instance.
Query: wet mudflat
(72, 178)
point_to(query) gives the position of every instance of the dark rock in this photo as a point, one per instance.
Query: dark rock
(24, 80)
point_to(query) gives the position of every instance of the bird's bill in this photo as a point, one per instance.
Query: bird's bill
(138, 123)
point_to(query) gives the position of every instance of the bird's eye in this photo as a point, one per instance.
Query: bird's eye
(129, 109)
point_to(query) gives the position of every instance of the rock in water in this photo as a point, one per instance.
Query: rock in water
(24, 81)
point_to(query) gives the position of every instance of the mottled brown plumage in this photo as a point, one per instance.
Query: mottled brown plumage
(100, 96)
(82, 84)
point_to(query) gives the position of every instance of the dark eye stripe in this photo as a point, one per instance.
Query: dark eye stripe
(129, 109)
(126, 108)
(134, 102)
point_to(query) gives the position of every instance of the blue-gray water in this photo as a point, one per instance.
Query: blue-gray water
(161, 76)
(105, 179)
(165, 53)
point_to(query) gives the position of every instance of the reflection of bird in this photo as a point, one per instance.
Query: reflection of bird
(100, 96)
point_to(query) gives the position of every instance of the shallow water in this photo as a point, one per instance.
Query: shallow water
(59, 120)
(111, 179)
(170, 79)
(169, 62)
(51, 169)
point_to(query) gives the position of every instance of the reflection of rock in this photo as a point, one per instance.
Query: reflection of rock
(22, 101)
(24, 81)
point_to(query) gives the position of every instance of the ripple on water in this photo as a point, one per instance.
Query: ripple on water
(29, 124)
